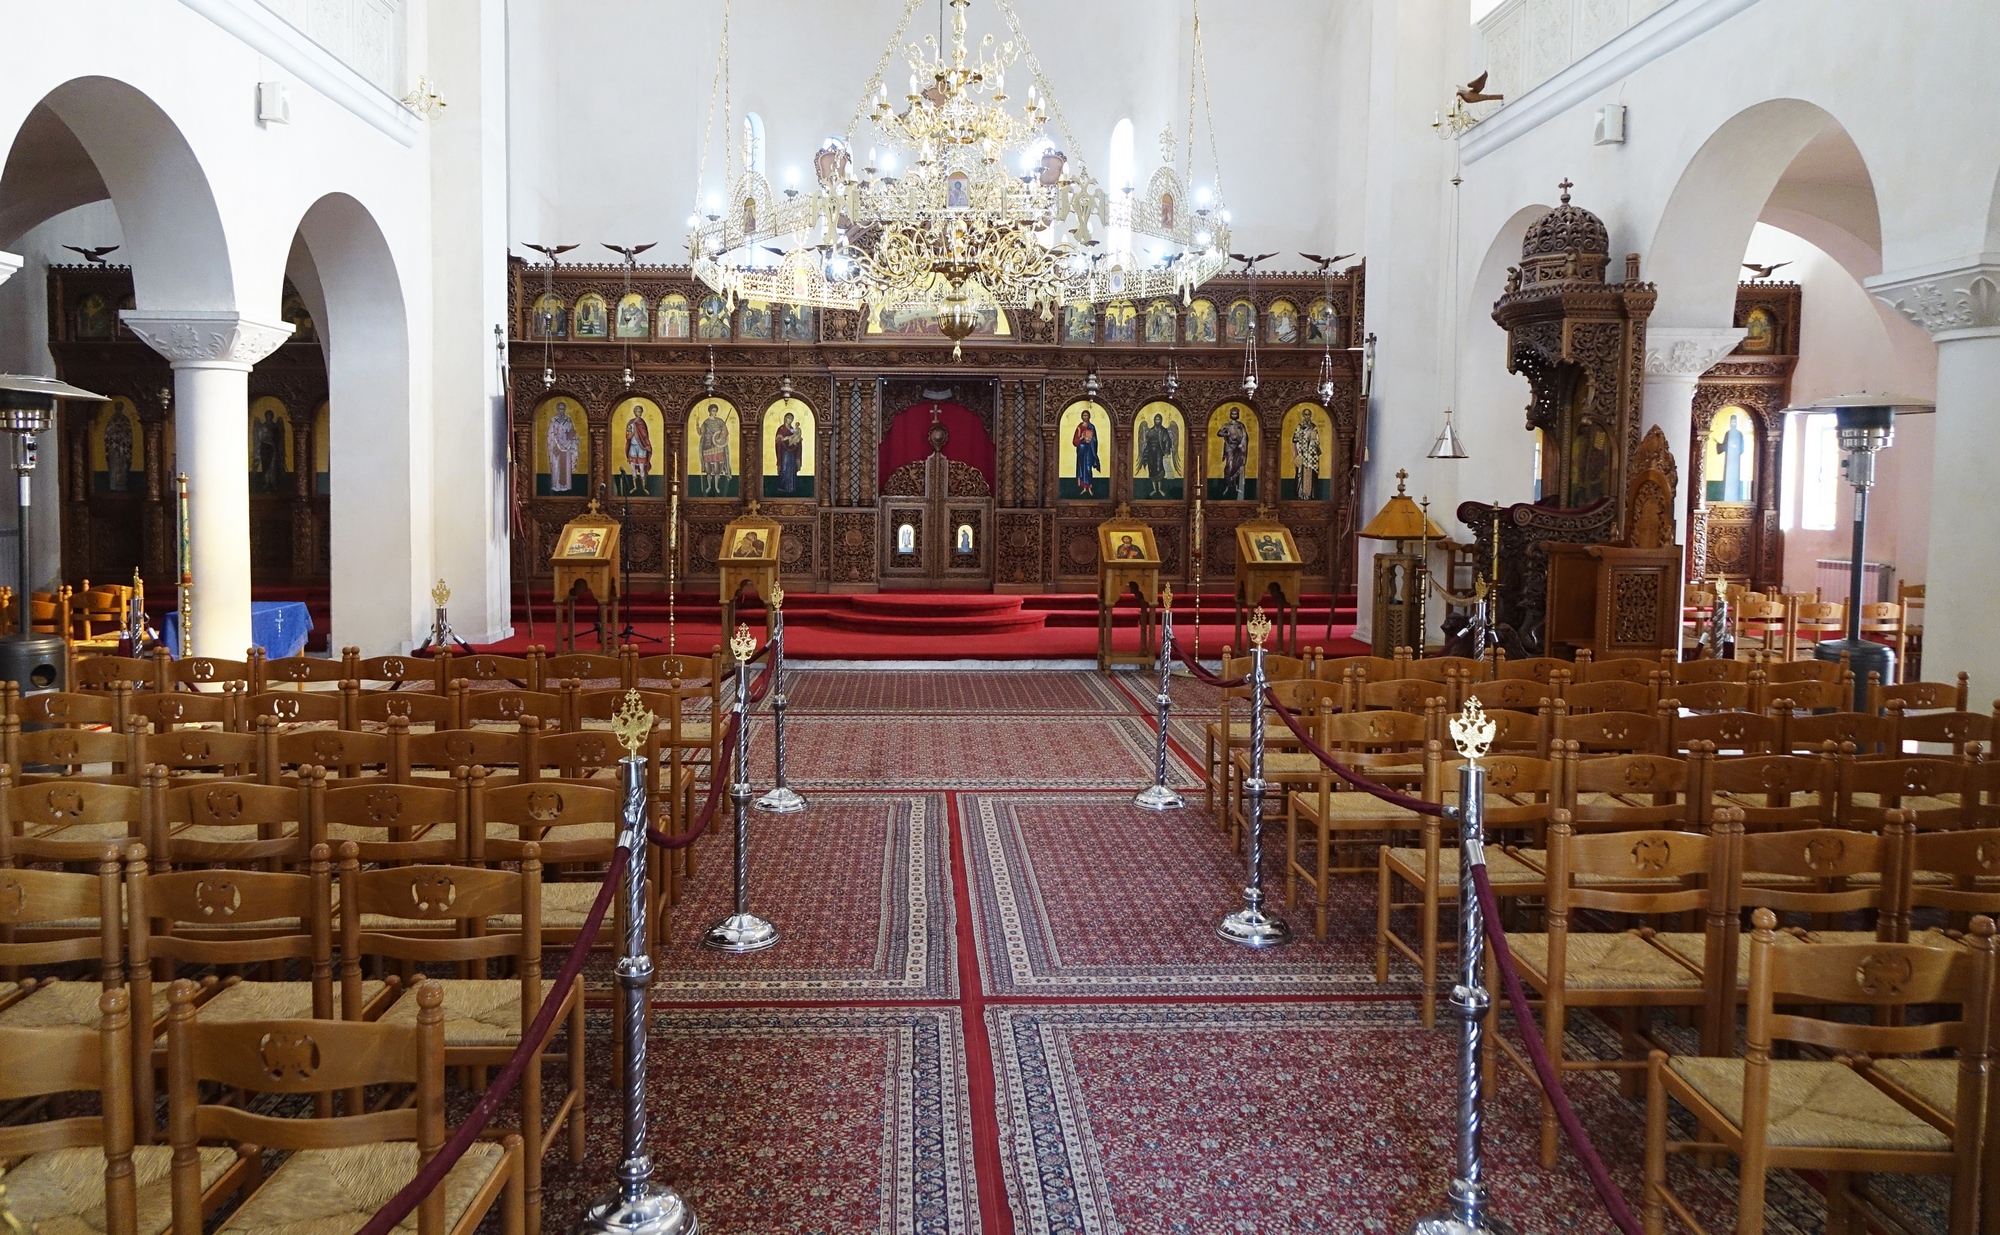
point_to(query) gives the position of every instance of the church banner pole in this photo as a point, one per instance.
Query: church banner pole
(741, 931)
(782, 799)
(184, 523)
(1251, 926)
(1159, 795)
(635, 1205)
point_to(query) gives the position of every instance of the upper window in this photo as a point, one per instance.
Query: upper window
(1819, 472)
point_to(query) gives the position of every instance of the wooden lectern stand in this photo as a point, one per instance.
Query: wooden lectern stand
(1267, 559)
(749, 558)
(1127, 559)
(586, 556)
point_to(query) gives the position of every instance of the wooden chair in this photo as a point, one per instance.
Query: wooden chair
(1811, 696)
(1782, 672)
(169, 711)
(1287, 765)
(1608, 733)
(1221, 735)
(486, 1016)
(1635, 669)
(1822, 1115)
(69, 709)
(583, 667)
(392, 822)
(1441, 668)
(1711, 669)
(429, 756)
(573, 826)
(1629, 792)
(1776, 792)
(197, 752)
(1954, 729)
(60, 918)
(1632, 971)
(1733, 733)
(230, 823)
(76, 1173)
(1813, 621)
(69, 820)
(341, 1167)
(1522, 796)
(1335, 669)
(1930, 791)
(1543, 669)
(67, 754)
(299, 707)
(1512, 694)
(480, 706)
(1868, 735)
(520, 672)
(296, 672)
(410, 707)
(399, 672)
(203, 673)
(1385, 746)
(1713, 696)
(1611, 695)
(1910, 639)
(1958, 872)
(346, 754)
(1922, 696)
(1765, 625)
(94, 674)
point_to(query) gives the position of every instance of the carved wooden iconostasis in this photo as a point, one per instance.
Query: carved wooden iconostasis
(115, 461)
(1739, 423)
(889, 465)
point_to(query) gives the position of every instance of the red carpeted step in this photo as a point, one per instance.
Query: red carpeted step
(959, 614)
(945, 604)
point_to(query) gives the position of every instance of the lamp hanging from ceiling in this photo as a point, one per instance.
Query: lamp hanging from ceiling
(986, 213)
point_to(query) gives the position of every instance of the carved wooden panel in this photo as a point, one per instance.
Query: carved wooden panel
(1018, 556)
(1635, 606)
(852, 548)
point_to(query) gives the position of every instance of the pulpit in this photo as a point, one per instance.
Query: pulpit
(586, 557)
(1622, 599)
(1128, 558)
(749, 557)
(1267, 560)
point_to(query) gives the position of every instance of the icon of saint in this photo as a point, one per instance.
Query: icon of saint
(1235, 437)
(789, 445)
(713, 438)
(564, 444)
(1085, 442)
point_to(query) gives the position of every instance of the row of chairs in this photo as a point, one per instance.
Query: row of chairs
(256, 673)
(1788, 625)
(401, 918)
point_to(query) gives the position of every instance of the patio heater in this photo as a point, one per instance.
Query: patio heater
(1866, 424)
(27, 407)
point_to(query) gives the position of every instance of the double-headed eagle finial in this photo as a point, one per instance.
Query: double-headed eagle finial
(1472, 730)
(632, 723)
(742, 643)
(1259, 627)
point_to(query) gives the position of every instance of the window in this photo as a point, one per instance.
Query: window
(1819, 472)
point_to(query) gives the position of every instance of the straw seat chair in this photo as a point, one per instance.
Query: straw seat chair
(197, 752)
(1910, 598)
(1384, 746)
(1443, 668)
(1922, 696)
(297, 672)
(393, 822)
(1731, 732)
(584, 667)
(1776, 791)
(1547, 670)
(1523, 795)
(82, 1173)
(698, 715)
(481, 706)
(1612, 695)
(574, 826)
(292, 708)
(170, 711)
(1511, 694)
(345, 754)
(1824, 1115)
(1641, 873)
(69, 820)
(1635, 669)
(1623, 792)
(202, 673)
(401, 673)
(1610, 733)
(342, 1168)
(66, 754)
(231, 823)
(1931, 790)
(1335, 669)
(520, 672)
(60, 918)
(1398, 694)
(409, 707)
(1869, 735)
(100, 674)
(1288, 767)
(1954, 729)
(484, 1017)
(1714, 696)
(69, 709)
(1812, 622)
(427, 757)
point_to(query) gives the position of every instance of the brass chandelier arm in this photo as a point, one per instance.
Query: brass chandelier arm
(875, 81)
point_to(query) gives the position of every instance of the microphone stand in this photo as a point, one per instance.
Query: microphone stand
(630, 632)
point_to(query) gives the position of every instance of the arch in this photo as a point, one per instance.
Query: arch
(173, 233)
(380, 578)
(1491, 400)
(1717, 200)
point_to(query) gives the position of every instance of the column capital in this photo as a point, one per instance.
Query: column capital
(1958, 299)
(1688, 351)
(206, 338)
(9, 263)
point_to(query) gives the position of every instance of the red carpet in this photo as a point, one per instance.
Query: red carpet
(933, 625)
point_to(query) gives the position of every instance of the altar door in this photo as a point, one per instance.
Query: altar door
(937, 523)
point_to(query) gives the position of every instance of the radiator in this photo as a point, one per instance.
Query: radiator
(1878, 579)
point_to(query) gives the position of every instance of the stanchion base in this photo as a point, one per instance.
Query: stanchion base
(1446, 1224)
(1253, 928)
(1158, 797)
(783, 800)
(660, 1212)
(740, 932)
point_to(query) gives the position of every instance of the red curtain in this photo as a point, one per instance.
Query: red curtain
(908, 438)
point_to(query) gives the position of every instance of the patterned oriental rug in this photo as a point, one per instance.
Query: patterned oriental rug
(998, 1007)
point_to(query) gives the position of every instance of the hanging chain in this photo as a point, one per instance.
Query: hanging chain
(1075, 151)
(1199, 65)
(874, 82)
(718, 88)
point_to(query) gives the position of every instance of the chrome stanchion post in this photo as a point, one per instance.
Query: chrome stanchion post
(741, 931)
(782, 799)
(1465, 1204)
(635, 1205)
(1251, 926)
(1159, 795)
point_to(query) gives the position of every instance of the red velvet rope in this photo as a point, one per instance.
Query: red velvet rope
(1352, 777)
(432, 1174)
(716, 777)
(762, 686)
(1538, 1054)
(1203, 675)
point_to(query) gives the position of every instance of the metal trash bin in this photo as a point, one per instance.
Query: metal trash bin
(35, 664)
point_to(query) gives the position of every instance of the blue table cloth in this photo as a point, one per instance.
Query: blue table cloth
(280, 627)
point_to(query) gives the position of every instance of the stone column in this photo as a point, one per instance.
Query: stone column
(211, 351)
(1958, 302)
(1676, 357)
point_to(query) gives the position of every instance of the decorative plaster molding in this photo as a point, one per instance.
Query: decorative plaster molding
(1688, 351)
(271, 35)
(206, 338)
(9, 263)
(1953, 300)
(1638, 45)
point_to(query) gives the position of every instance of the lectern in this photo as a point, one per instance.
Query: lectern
(748, 558)
(586, 557)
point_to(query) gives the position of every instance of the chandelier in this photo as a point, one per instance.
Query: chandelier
(987, 212)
